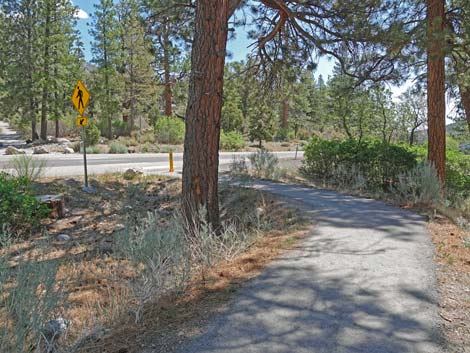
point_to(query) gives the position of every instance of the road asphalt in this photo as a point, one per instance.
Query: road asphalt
(361, 282)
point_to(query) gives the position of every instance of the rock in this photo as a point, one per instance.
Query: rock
(63, 238)
(63, 141)
(54, 329)
(132, 173)
(40, 150)
(259, 212)
(11, 150)
(106, 246)
(68, 150)
(164, 212)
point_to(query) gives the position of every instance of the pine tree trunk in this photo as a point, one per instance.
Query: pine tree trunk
(45, 93)
(285, 113)
(436, 88)
(201, 147)
(167, 76)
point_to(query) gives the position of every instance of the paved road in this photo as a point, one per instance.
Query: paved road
(72, 165)
(362, 282)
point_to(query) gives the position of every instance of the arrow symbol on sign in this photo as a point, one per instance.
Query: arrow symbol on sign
(82, 121)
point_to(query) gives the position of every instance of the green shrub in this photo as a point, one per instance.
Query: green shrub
(20, 212)
(264, 164)
(117, 148)
(457, 169)
(458, 172)
(170, 130)
(378, 162)
(93, 150)
(231, 141)
(93, 135)
(28, 167)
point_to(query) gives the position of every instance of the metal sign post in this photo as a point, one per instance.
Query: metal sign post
(80, 99)
(84, 156)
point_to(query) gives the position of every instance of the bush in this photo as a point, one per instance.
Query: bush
(378, 162)
(28, 305)
(28, 167)
(232, 141)
(93, 135)
(170, 130)
(419, 186)
(264, 164)
(19, 210)
(458, 173)
(117, 148)
(167, 258)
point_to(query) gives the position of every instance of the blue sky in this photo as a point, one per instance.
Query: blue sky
(237, 47)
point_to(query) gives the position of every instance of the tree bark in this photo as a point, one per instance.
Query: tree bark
(203, 113)
(436, 87)
(167, 75)
(45, 88)
(285, 113)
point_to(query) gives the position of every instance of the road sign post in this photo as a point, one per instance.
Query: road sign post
(80, 99)
(84, 156)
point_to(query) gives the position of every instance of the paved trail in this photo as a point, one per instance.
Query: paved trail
(363, 281)
(9, 137)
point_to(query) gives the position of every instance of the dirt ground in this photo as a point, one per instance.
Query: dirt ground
(95, 282)
(453, 276)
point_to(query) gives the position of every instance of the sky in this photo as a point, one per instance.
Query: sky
(238, 47)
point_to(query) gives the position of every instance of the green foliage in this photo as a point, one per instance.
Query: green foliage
(92, 135)
(28, 167)
(457, 169)
(231, 141)
(264, 164)
(169, 130)
(458, 172)
(378, 162)
(20, 212)
(117, 148)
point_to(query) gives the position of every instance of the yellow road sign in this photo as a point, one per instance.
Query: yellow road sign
(82, 121)
(80, 97)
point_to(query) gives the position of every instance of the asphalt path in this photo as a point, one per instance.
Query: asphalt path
(361, 282)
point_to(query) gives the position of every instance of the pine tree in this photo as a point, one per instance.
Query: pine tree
(327, 27)
(107, 55)
(138, 72)
(170, 25)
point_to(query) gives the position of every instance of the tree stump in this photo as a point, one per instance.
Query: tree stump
(56, 204)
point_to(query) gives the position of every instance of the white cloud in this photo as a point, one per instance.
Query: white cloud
(82, 15)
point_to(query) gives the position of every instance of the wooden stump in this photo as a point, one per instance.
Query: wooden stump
(56, 204)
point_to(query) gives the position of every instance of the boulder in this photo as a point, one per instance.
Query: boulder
(63, 141)
(40, 150)
(68, 150)
(132, 173)
(11, 150)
